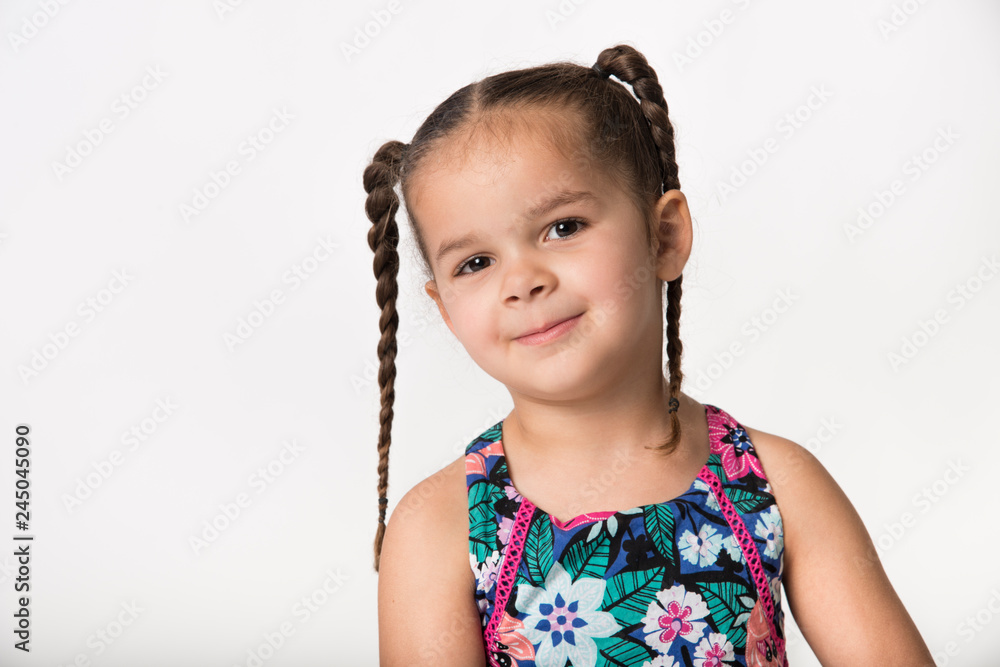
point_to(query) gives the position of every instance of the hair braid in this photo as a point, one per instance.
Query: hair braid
(380, 178)
(631, 67)
(632, 143)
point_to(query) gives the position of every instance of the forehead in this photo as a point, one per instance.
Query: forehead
(511, 163)
(500, 135)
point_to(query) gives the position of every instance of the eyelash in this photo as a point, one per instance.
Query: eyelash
(580, 223)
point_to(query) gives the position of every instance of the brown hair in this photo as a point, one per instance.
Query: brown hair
(633, 144)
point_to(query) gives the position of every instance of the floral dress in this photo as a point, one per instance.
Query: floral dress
(694, 581)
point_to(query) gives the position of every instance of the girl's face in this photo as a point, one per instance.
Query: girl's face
(521, 237)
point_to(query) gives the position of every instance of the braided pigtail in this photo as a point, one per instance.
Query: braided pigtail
(631, 67)
(380, 178)
(633, 144)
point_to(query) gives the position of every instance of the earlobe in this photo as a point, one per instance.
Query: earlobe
(674, 234)
(431, 288)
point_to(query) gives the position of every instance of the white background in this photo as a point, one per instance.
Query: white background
(305, 374)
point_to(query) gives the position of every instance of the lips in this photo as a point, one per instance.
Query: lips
(546, 327)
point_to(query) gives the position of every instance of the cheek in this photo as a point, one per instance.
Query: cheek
(625, 284)
(472, 322)
(605, 275)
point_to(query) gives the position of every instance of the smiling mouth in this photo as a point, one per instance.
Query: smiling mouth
(553, 332)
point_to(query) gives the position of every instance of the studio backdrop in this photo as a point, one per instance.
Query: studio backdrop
(188, 326)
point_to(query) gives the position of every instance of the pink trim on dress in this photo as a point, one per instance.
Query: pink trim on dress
(508, 573)
(749, 548)
(580, 520)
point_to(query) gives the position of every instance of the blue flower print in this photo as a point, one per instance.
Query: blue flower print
(563, 616)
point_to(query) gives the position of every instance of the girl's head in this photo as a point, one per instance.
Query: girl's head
(537, 195)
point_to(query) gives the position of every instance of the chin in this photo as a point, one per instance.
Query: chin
(552, 383)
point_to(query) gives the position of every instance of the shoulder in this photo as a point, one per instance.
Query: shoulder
(791, 469)
(426, 587)
(809, 499)
(432, 513)
(832, 574)
(435, 499)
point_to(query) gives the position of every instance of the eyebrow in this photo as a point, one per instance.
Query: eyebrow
(547, 205)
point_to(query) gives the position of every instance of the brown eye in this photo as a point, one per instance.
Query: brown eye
(572, 223)
(470, 262)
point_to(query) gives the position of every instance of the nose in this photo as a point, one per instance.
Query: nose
(527, 276)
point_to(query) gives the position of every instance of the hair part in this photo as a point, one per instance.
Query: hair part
(600, 126)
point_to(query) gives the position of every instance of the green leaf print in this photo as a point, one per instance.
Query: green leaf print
(500, 468)
(588, 559)
(725, 604)
(659, 522)
(747, 502)
(629, 594)
(482, 520)
(538, 551)
(493, 433)
(715, 465)
(621, 652)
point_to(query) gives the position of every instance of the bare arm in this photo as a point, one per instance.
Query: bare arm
(427, 613)
(836, 587)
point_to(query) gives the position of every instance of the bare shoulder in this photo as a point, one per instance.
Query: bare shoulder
(427, 613)
(813, 507)
(435, 499)
(834, 581)
(792, 470)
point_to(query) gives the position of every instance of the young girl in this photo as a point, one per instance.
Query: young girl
(609, 519)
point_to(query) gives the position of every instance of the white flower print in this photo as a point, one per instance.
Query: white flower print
(563, 616)
(775, 585)
(769, 528)
(486, 574)
(713, 650)
(710, 500)
(503, 529)
(661, 661)
(674, 613)
(487, 571)
(732, 546)
(701, 549)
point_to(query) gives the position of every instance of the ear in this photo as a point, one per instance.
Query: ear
(432, 292)
(673, 234)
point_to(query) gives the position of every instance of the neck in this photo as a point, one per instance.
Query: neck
(596, 430)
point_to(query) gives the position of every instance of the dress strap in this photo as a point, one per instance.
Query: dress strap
(508, 572)
(749, 552)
